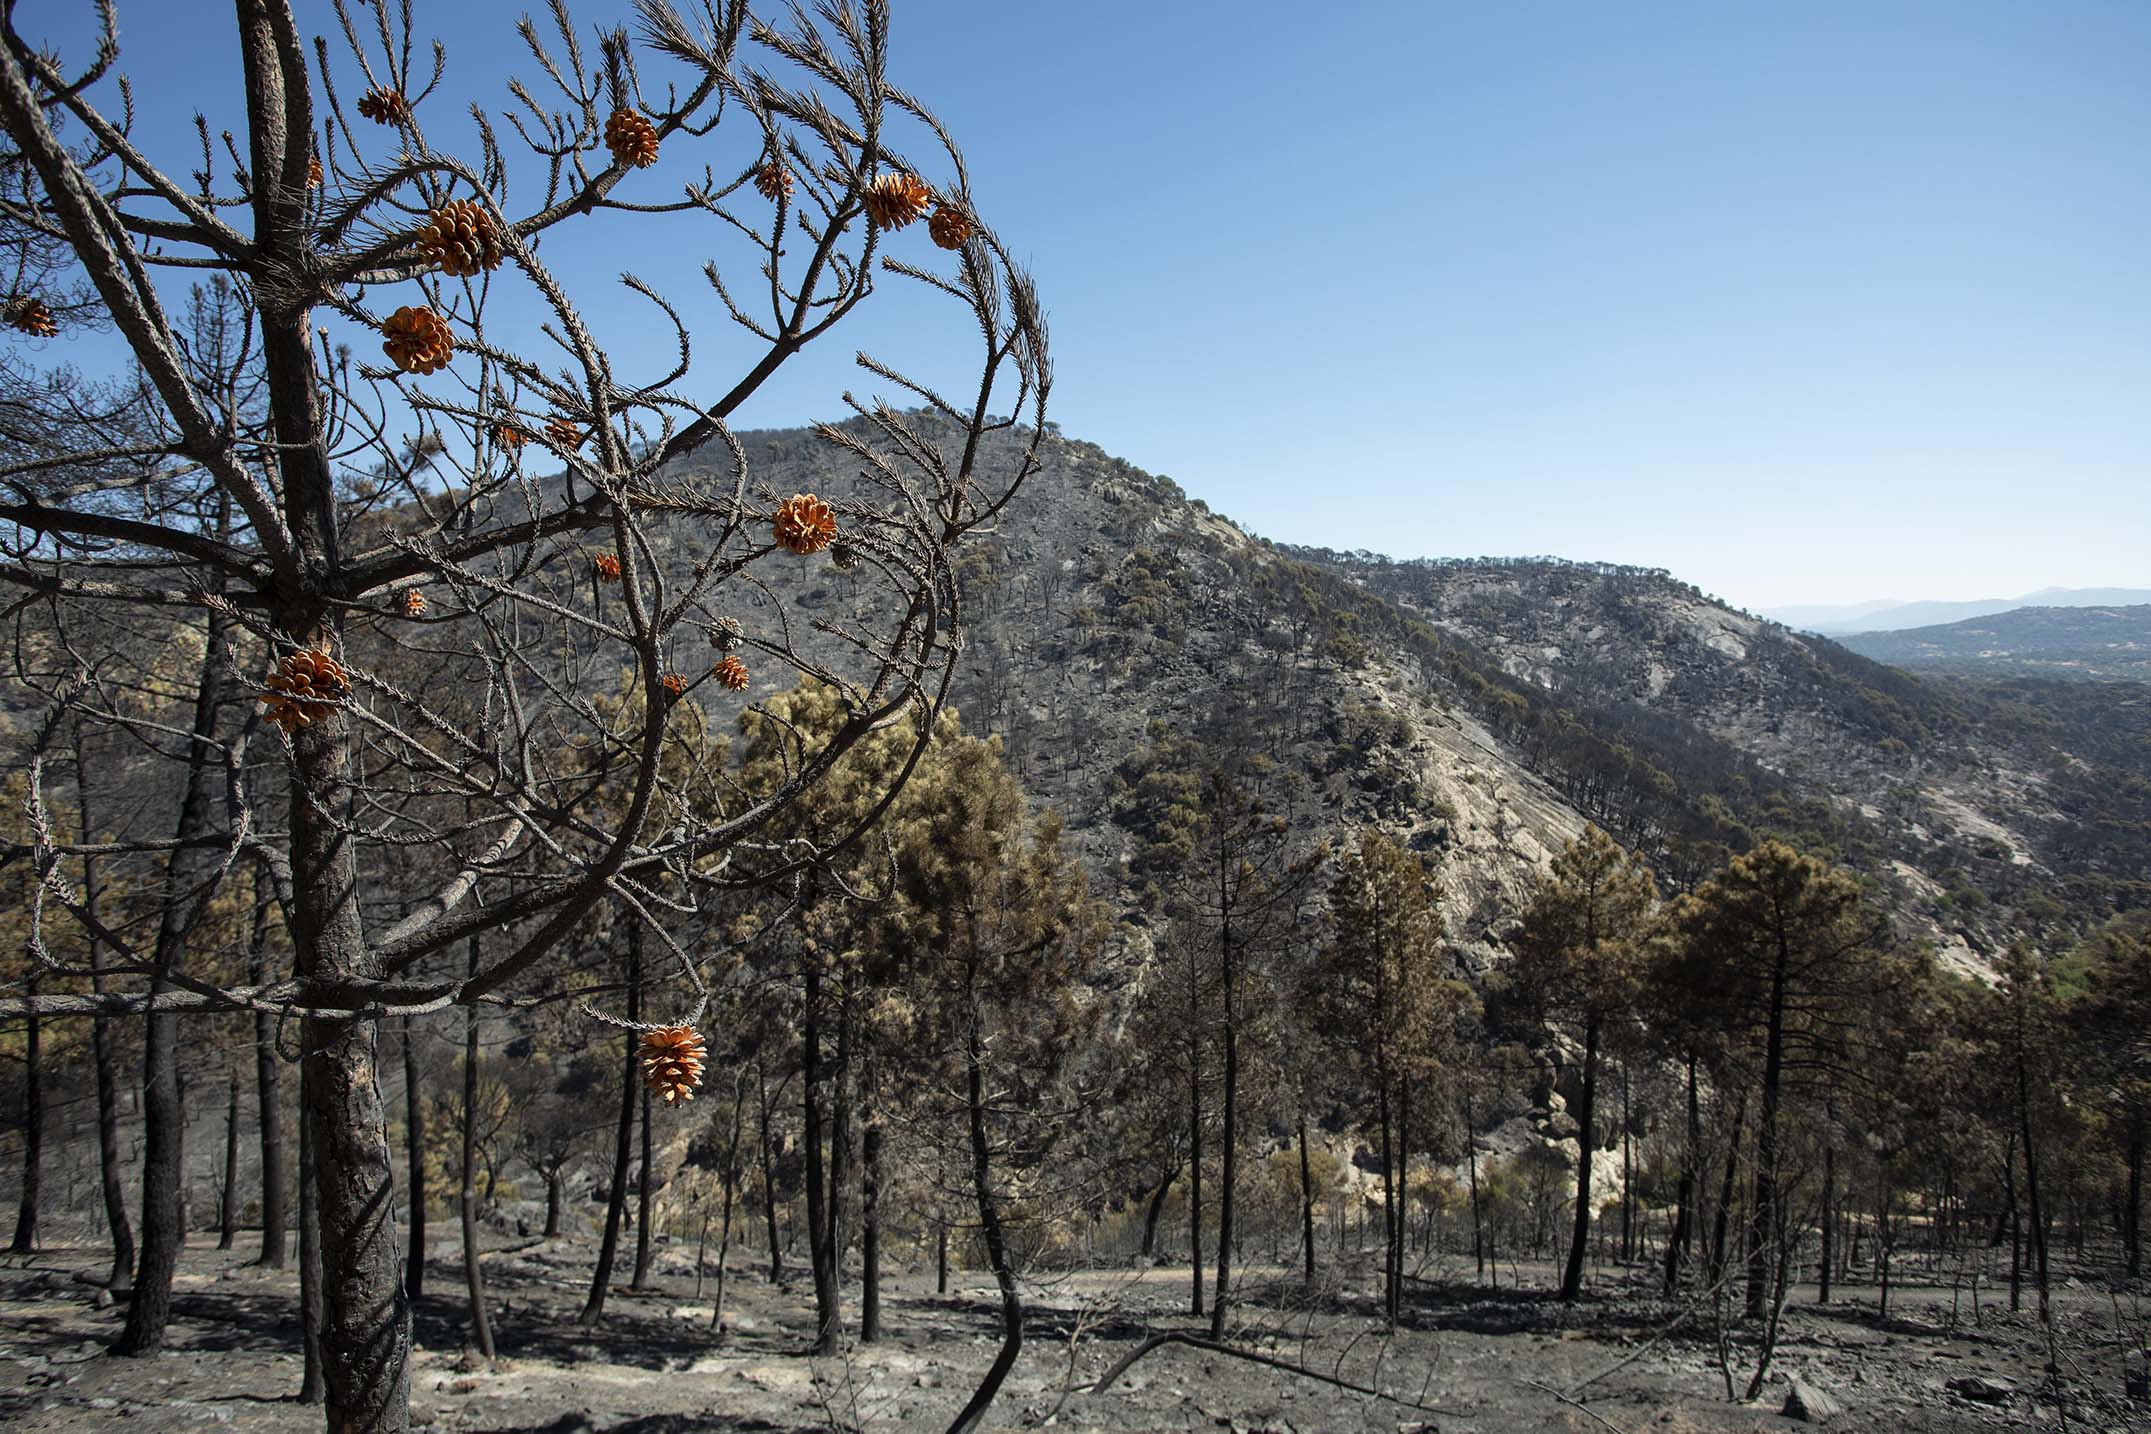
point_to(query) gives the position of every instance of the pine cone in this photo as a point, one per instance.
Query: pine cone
(949, 227)
(732, 673)
(417, 340)
(313, 174)
(563, 434)
(607, 566)
(29, 314)
(414, 603)
(462, 239)
(507, 437)
(303, 689)
(726, 634)
(672, 1059)
(773, 180)
(843, 557)
(804, 524)
(674, 684)
(894, 200)
(383, 105)
(631, 138)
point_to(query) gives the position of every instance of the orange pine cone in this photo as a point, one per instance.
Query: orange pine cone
(631, 138)
(773, 180)
(313, 174)
(608, 567)
(383, 105)
(417, 340)
(672, 1058)
(894, 200)
(460, 239)
(732, 673)
(563, 434)
(949, 228)
(29, 314)
(304, 687)
(804, 524)
(673, 683)
(508, 437)
(414, 603)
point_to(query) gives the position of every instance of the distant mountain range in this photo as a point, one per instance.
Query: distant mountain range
(1889, 615)
(2087, 642)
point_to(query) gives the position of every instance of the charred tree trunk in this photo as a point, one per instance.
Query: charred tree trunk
(1724, 1212)
(1829, 1216)
(1195, 1167)
(1306, 1206)
(103, 1057)
(555, 1199)
(1391, 1297)
(769, 1178)
(414, 1159)
(1586, 1144)
(645, 1196)
(466, 1195)
(313, 1386)
(989, 1219)
(731, 1187)
(828, 1311)
(1229, 1174)
(228, 1211)
(33, 1128)
(268, 1095)
(870, 1237)
(2132, 1209)
(1156, 1207)
(1763, 1219)
(1684, 1201)
(1471, 1163)
(189, 877)
(623, 1142)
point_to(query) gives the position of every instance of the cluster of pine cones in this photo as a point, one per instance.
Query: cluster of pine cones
(895, 200)
(29, 314)
(304, 688)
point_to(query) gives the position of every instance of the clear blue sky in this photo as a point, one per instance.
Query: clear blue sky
(1807, 303)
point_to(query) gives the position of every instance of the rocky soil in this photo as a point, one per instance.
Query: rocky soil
(1467, 1358)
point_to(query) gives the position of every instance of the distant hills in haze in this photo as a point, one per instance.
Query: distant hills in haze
(1889, 615)
(2111, 642)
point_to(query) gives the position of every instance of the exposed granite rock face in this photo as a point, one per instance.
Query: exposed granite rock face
(1106, 607)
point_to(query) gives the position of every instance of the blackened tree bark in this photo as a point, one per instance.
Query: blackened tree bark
(731, 1190)
(869, 1236)
(414, 1161)
(1684, 1201)
(228, 1211)
(1762, 1220)
(645, 1195)
(769, 1176)
(268, 1095)
(190, 878)
(33, 1128)
(1306, 1204)
(821, 1223)
(989, 1220)
(623, 1142)
(1228, 1175)
(467, 1195)
(1587, 1144)
(103, 1056)
(1194, 1038)
(313, 1384)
